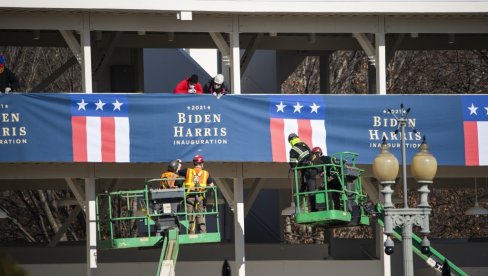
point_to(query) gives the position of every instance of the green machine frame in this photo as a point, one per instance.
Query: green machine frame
(353, 209)
(154, 217)
(350, 211)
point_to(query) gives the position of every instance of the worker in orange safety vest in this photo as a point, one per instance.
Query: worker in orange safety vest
(196, 179)
(169, 178)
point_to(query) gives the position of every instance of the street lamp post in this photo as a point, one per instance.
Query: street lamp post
(423, 168)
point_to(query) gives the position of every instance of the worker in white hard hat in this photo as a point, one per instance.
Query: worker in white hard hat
(216, 86)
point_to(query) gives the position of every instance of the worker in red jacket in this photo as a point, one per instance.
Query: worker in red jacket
(189, 86)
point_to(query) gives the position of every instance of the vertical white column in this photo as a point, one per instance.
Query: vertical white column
(380, 58)
(386, 259)
(86, 51)
(235, 70)
(91, 227)
(239, 242)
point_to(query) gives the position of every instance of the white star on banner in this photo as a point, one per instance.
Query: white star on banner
(472, 110)
(100, 105)
(486, 110)
(117, 105)
(315, 108)
(82, 105)
(298, 108)
(280, 107)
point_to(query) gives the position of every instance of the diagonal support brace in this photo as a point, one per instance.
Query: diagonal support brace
(367, 46)
(226, 192)
(251, 198)
(73, 44)
(222, 45)
(249, 53)
(77, 191)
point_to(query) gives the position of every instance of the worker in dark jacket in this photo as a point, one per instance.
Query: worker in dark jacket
(215, 86)
(300, 155)
(318, 158)
(333, 182)
(8, 81)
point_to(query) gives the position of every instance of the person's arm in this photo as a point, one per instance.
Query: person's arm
(182, 172)
(224, 89)
(329, 162)
(210, 181)
(180, 183)
(199, 88)
(293, 159)
(326, 159)
(181, 87)
(207, 87)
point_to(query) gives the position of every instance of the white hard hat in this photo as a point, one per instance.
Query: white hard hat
(219, 79)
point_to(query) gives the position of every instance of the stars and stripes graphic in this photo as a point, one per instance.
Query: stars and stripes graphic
(475, 115)
(303, 115)
(100, 128)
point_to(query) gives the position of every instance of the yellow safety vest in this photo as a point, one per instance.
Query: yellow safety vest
(195, 178)
(169, 180)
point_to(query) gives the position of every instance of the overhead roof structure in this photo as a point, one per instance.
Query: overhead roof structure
(256, 6)
(377, 27)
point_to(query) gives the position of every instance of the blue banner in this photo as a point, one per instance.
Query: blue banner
(236, 128)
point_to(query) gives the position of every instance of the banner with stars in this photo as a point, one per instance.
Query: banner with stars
(304, 116)
(100, 128)
(125, 128)
(475, 116)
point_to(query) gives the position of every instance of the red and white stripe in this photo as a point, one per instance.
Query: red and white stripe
(100, 139)
(476, 143)
(312, 132)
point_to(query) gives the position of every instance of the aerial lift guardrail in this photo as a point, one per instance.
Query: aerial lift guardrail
(350, 207)
(154, 217)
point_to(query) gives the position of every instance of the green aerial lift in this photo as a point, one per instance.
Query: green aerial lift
(155, 217)
(340, 200)
(341, 203)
